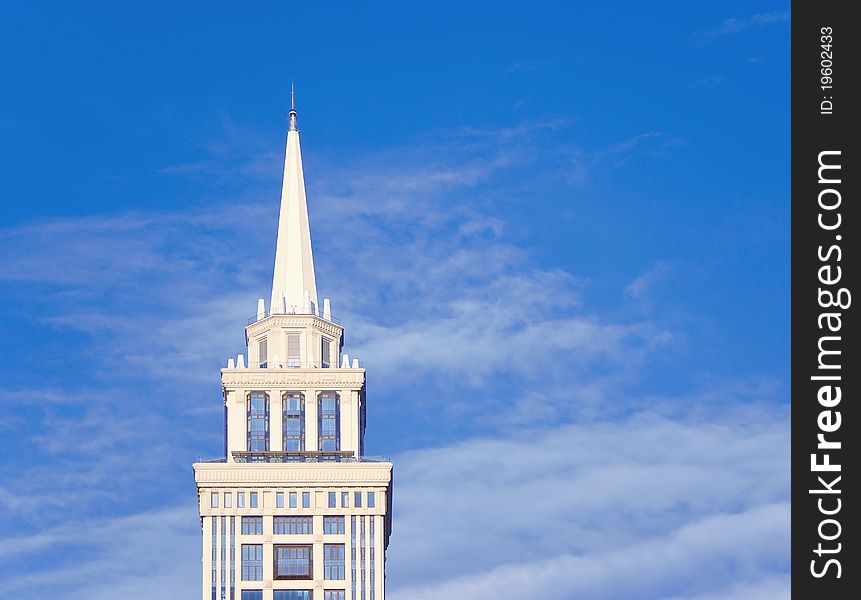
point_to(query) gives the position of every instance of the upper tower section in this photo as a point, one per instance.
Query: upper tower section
(294, 287)
(297, 396)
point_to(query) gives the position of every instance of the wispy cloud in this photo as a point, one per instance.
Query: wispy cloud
(626, 508)
(737, 25)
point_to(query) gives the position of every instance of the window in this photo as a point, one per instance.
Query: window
(372, 500)
(214, 556)
(333, 561)
(240, 499)
(345, 499)
(293, 500)
(293, 361)
(232, 556)
(334, 525)
(293, 422)
(372, 568)
(306, 499)
(292, 562)
(279, 499)
(252, 562)
(326, 353)
(293, 525)
(252, 595)
(292, 595)
(228, 500)
(329, 422)
(253, 499)
(252, 525)
(213, 500)
(261, 353)
(334, 595)
(258, 422)
(353, 555)
(333, 499)
(357, 499)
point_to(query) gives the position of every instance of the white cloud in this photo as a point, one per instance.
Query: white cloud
(738, 24)
(642, 508)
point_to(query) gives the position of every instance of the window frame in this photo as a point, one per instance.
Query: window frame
(340, 522)
(329, 422)
(297, 415)
(246, 522)
(336, 565)
(248, 563)
(252, 416)
(305, 548)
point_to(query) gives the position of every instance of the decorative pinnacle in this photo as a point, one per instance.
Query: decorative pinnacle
(293, 126)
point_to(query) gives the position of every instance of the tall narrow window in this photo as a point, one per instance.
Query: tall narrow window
(326, 353)
(293, 360)
(293, 422)
(232, 558)
(333, 498)
(214, 557)
(292, 561)
(333, 562)
(373, 566)
(306, 499)
(353, 554)
(258, 422)
(261, 353)
(329, 422)
(223, 555)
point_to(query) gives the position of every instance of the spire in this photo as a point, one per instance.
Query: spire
(293, 108)
(294, 287)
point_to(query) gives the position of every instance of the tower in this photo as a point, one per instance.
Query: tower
(294, 510)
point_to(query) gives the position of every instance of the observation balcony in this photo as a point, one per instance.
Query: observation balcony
(274, 456)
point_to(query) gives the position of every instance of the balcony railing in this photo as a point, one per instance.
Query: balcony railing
(298, 312)
(274, 456)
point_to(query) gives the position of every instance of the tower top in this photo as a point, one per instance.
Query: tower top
(294, 286)
(293, 126)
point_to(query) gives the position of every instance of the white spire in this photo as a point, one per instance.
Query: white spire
(294, 262)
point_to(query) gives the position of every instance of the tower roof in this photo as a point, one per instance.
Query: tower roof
(293, 279)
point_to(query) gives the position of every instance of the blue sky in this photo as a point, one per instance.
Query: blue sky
(557, 236)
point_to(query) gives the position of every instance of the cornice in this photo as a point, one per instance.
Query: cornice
(337, 378)
(277, 320)
(222, 474)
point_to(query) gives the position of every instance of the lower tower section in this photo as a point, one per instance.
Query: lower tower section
(309, 531)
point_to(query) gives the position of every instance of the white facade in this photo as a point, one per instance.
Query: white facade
(294, 511)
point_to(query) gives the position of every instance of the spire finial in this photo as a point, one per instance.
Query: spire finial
(293, 126)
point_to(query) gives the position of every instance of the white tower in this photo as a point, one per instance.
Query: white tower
(294, 511)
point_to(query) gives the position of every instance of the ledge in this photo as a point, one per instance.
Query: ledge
(318, 473)
(322, 378)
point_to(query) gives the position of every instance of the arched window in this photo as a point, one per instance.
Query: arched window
(293, 422)
(329, 422)
(258, 422)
